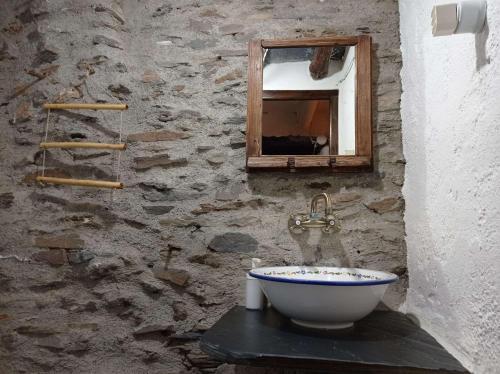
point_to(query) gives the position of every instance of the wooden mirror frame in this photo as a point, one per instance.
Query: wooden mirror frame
(363, 158)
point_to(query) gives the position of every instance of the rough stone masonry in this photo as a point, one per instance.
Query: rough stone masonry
(99, 282)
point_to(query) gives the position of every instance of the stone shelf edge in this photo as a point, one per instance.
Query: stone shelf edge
(383, 342)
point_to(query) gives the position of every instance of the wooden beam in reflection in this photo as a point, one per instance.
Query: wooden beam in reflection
(299, 95)
(310, 42)
(309, 115)
(320, 62)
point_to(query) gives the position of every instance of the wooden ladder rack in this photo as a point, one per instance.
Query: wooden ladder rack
(80, 182)
(67, 145)
(86, 106)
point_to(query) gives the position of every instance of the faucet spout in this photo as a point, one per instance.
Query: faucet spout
(327, 201)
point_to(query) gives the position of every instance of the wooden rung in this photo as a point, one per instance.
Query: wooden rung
(85, 106)
(80, 182)
(119, 146)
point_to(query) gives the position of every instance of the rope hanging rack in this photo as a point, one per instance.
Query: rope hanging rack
(93, 106)
(68, 145)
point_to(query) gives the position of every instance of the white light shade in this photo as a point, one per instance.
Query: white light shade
(471, 16)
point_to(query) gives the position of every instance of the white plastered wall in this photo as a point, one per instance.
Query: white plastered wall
(451, 137)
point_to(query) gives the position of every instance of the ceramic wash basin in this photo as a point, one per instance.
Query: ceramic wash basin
(323, 297)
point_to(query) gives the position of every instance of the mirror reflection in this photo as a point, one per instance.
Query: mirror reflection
(309, 101)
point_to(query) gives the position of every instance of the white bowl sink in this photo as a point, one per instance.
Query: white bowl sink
(323, 297)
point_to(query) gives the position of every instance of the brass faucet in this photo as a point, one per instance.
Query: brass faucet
(300, 222)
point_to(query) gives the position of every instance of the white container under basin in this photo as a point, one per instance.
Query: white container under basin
(323, 297)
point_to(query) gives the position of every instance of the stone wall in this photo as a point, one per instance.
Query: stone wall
(99, 282)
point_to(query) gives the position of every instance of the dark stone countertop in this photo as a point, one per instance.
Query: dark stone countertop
(383, 342)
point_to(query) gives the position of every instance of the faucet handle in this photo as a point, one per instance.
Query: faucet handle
(295, 223)
(330, 223)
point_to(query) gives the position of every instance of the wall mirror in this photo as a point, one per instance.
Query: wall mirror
(309, 104)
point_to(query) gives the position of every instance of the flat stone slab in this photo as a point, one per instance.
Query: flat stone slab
(383, 342)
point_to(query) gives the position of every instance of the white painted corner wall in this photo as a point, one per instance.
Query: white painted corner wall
(347, 105)
(450, 111)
